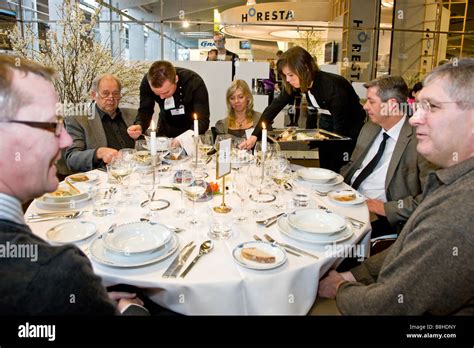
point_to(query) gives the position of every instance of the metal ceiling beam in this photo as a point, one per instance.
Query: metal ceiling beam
(123, 4)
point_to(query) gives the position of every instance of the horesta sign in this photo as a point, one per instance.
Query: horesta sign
(280, 15)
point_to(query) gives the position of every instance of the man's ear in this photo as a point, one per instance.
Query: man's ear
(176, 79)
(93, 95)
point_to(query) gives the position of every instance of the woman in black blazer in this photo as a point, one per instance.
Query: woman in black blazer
(332, 95)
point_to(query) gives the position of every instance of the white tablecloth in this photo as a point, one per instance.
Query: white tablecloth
(217, 284)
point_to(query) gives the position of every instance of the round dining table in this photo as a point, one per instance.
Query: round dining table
(218, 284)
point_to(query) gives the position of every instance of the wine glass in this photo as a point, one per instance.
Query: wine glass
(240, 188)
(254, 180)
(142, 154)
(205, 144)
(181, 179)
(195, 190)
(148, 182)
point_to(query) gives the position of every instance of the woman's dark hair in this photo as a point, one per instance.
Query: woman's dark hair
(301, 63)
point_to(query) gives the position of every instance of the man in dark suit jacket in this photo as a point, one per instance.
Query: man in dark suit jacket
(97, 138)
(394, 185)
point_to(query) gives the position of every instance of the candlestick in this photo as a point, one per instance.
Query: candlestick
(196, 126)
(153, 139)
(264, 138)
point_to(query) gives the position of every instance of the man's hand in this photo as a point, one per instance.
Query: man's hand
(249, 143)
(106, 154)
(376, 206)
(124, 299)
(329, 284)
(134, 131)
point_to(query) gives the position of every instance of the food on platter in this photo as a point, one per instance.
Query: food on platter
(346, 197)
(79, 177)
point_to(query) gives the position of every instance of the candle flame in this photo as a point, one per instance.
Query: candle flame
(195, 117)
(263, 125)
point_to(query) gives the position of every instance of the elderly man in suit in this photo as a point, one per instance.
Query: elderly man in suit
(385, 165)
(97, 139)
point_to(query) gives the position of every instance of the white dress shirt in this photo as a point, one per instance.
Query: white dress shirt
(374, 185)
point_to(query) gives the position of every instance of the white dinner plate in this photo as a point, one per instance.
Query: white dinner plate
(72, 204)
(346, 197)
(70, 194)
(317, 175)
(78, 178)
(70, 232)
(333, 182)
(272, 249)
(100, 254)
(136, 238)
(316, 221)
(337, 237)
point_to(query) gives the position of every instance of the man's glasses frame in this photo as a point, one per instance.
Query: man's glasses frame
(53, 127)
(107, 94)
(427, 106)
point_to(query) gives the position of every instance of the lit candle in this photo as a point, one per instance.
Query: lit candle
(264, 137)
(196, 126)
(153, 139)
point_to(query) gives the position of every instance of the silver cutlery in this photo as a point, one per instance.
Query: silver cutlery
(182, 261)
(205, 248)
(320, 193)
(56, 213)
(171, 228)
(271, 240)
(175, 262)
(55, 217)
(287, 250)
(111, 228)
(269, 219)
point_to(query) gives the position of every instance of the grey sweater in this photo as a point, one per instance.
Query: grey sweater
(430, 268)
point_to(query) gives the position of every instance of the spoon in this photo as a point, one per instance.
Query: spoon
(203, 249)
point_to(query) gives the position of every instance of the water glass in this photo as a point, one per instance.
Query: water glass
(103, 201)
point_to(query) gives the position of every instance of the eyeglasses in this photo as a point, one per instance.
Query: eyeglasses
(427, 106)
(106, 94)
(53, 127)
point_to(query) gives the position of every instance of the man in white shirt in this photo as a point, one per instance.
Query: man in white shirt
(390, 172)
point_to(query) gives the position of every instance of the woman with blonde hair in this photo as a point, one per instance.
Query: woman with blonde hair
(240, 113)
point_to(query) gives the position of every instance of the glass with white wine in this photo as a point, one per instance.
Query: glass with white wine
(195, 190)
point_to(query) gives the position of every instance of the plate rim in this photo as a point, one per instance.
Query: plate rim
(70, 222)
(315, 168)
(136, 253)
(58, 206)
(319, 211)
(339, 179)
(303, 240)
(249, 266)
(105, 262)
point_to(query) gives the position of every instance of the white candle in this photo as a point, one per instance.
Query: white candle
(196, 126)
(153, 139)
(264, 137)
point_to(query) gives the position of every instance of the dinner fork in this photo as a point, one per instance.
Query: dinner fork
(354, 222)
(257, 238)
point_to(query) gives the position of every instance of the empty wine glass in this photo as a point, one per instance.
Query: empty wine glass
(148, 182)
(240, 188)
(181, 179)
(195, 190)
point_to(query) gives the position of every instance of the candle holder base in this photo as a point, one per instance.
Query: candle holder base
(222, 209)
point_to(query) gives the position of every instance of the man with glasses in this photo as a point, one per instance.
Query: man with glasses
(224, 54)
(385, 166)
(43, 279)
(428, 271)
(97, 138)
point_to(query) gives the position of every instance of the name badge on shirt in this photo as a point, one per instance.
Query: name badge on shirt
(178, 111)
(169, 103)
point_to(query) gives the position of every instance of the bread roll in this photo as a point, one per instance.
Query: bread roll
(257, 255)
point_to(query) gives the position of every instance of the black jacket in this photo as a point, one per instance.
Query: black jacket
(191, 93)
(333, 93)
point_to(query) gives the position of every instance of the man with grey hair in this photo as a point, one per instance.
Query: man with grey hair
(49, 280)
(98, 137)
(428, 270)
(385, 166)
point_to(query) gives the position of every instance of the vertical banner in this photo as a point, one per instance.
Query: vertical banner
(363, 42)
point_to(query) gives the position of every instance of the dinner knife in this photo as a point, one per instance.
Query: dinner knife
(182, 262)
(175, 262)
(257, 238)
(291, 247)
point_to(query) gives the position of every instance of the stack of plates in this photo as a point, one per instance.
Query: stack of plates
(319, 176)
(315, 226)
(64, 198)
(134, 244)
